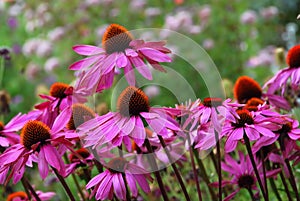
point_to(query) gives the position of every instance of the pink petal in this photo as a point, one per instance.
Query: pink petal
(42, 164)
(129, 74)
(53, 158)
(119, 186)
(96, 180)
(155, 55)
(143, 69)
(87, 50)
(122, 60)
(132, 184)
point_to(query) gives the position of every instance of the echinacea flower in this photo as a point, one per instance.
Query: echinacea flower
(112, 180)
(246, 88)
(287, 76)
(22, 196)
(212, 110)
(61, 97)
(249, 123)
(38, 144)
(242, 173)
(127, 123)
(119, 50)
(289, 131)
(8, 132)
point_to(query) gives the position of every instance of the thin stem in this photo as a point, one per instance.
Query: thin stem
(26, 188)
(251, 194)
(213, 158)
(156, 172)
(128, 198)
(292, 179)
(75, 180)
(205, 176)
(285, 186)
(65, 185)
(177, 173)
(219, 164)
(264, 173)
(37, 198)
(272, 182)
(2, 69)
(247, 143)
(194, 169)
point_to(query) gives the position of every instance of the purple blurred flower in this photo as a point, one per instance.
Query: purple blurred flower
(248, 17)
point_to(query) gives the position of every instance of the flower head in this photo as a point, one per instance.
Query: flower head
(38, 144)
(287, 76)
(253, 125)
(128, 122)
(120, 50)
(112, 181)
(246, 88)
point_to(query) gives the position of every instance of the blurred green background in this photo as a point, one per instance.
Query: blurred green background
(240, 36)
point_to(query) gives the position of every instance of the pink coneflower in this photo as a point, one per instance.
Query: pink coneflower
(8, 132)
(111, 181)
(127, 123)
(249, 123)
(38, 144)
(212, 110)
(246, 88)
(242, 174)
(289, 131)
(120, 50)
(22, 196)
(286, 76)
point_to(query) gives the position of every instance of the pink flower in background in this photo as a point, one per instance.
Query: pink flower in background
(38, 144)
(22, 196)
(289, 131)
(111, 181)
(8, 132)
(119, 50)
(242, 174)
(127, 123)
(289, 75)
(248, 123)
(248, 17)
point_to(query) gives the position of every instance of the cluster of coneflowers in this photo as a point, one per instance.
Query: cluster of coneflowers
(65, 137)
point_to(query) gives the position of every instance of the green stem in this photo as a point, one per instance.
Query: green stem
(264, 173)
(75, 180)
(248, 146)
(251, 194)
(31, 189)
(205, 176)
(2, 70)
(194, 169)
(26, 188)
(272, 182)
(176, 171)
(292, 179)
(219, 164)
(155, 169)
(64, 184)
(285, 186)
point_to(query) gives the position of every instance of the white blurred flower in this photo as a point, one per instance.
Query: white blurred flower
(15, 9)
(152, 11)
(248, 17)
(56, 34)
(152, 91)
(136, 5)
(114, 12)
(51, 64)
(204, 13)
(181, 21)
(208, 44)
(30, 46)
(44, 48)
(32, 71)
(269, 12)
(92, 2)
